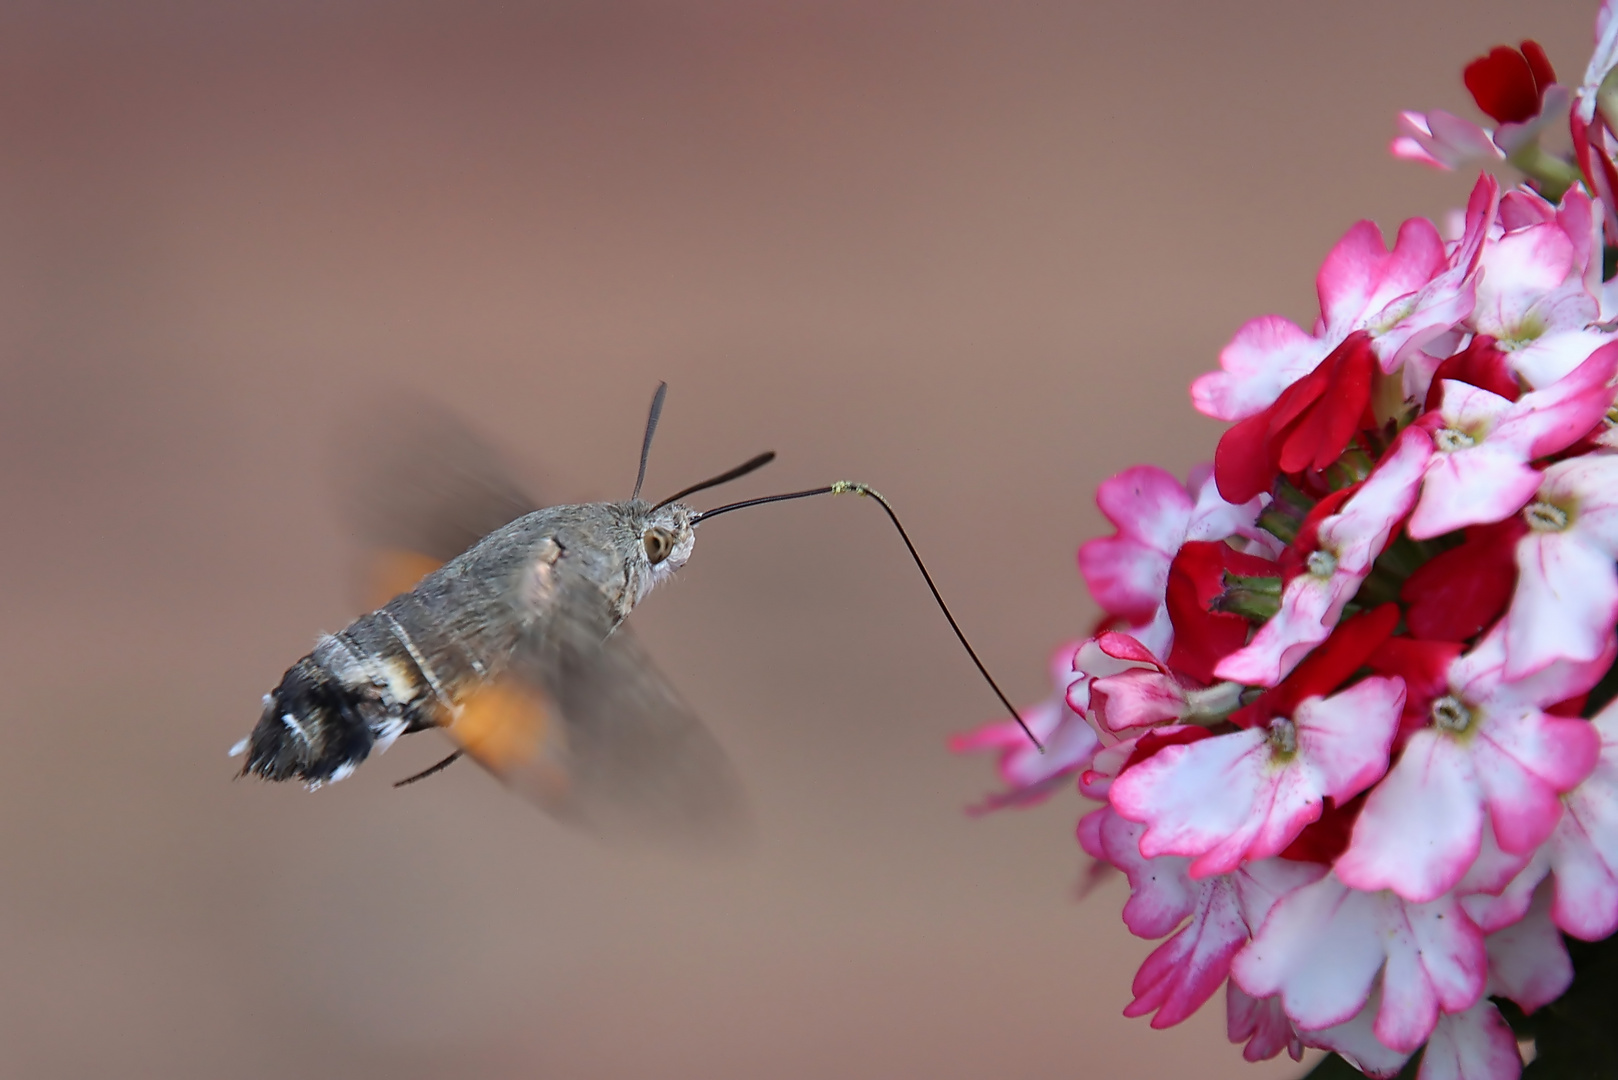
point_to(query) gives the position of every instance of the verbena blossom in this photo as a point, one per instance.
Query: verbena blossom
(1349, 715)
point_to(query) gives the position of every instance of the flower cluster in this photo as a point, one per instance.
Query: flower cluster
(1345, 719)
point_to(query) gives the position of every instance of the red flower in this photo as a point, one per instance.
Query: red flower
(1327, 837)
(1480, 364)
(1508, 84)
(1202, 635)
(1424, 666)
(1163, 738)
(1458, 592)
(1325, 669)
(1306, 429)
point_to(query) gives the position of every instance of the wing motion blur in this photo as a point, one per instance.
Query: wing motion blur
(584, 726)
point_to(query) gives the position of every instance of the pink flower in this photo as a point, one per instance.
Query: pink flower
(1476, 1044)
(1340, 755)
(1358, 280)
(1335, 564)
(1401, 300)
(1261, 1023)
(1491, 748)
(1499, 888)
(1154, 514)
(1479, 470)
(1029, 775)
(1583, 852)
(1579, 219)
(1566, 600)
(1267, 355)
(1443, 140)
(1128, 686)
(1323, 946)
(1161, 892)
(1355, 1039)
(1527, 961)
(1102, 662)
(1308, 427)
(1247, 795)
(1121, 685)
(1183, 972)
(1534, 293)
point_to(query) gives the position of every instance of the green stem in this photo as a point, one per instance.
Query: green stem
(1554, 174)
(1279, 524)
(1252, 597)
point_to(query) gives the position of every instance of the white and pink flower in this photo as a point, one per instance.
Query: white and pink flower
(1483, 444)
(1489, 751)
(1339, 737)
(1566, 601)
(1032, 774)
(1247, 795)
(1334, 566)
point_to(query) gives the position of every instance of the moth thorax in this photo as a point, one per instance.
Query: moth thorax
(539, 578)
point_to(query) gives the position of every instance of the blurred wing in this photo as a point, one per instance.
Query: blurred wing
(585, 727)
(418, 488)
(597, 736)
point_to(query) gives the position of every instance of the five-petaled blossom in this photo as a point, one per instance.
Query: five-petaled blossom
(1350, 714)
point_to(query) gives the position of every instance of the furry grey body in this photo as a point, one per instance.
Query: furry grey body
(537, 599)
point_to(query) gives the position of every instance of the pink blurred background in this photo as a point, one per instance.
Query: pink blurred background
(969, 252)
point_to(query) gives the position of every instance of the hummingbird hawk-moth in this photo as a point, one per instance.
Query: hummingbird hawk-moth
(506, 631)
(512, 643)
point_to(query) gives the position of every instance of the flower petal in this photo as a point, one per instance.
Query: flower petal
(1527, 961)
(1185, 970)
(1162, 893)
(1565, 604)
(1208, 799)
(1422, 825)
(1346, 737)
(1354, 1040)
(1524, 763)
(1436, 961)
(1485, 483)
(1138, 698)
(1261, 1023)
(1584, 848)
(1361, 276)
(1319, 949)
(1476, 1044)
(1267, 355)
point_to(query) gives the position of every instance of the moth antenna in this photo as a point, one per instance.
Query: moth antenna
(646, 441)
(843, 487)
(429, 770)
(723, 478)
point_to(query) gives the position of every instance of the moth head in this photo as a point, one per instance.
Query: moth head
(667, 530)
(666, 539)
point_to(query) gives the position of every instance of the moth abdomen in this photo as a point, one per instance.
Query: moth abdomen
(330, 710)
(312, 729)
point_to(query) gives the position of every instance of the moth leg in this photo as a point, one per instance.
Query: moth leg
(431, 769)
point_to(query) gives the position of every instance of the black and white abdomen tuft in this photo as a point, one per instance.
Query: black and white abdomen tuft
(332, 709)
(312, 729)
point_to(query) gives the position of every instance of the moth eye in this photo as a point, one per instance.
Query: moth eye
(659, 542)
